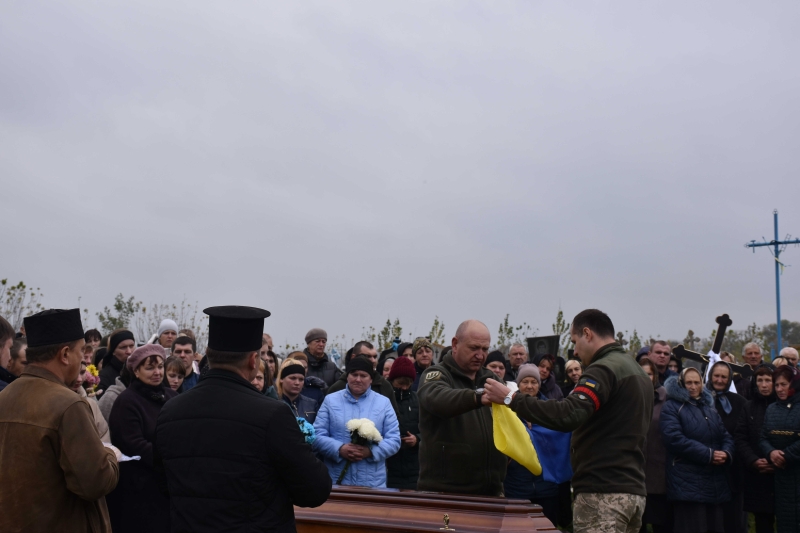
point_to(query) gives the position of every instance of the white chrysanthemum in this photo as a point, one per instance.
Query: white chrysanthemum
(366, 428)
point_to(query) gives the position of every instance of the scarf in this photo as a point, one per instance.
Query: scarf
(721, 396)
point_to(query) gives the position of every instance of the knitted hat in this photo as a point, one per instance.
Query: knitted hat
(495, 356)
(143, 352)
(403, 367)
(420, 342)
(316, 333)
(117, 338)
(288, 370)
(167, 325)
(360, 363)
(528, 371)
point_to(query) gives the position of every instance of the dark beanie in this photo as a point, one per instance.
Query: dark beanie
(118, 338)
(495, 356)
(403, 367)
(360, 363)
(288, 370)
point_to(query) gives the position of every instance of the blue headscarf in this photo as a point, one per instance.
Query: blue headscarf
(722, 396)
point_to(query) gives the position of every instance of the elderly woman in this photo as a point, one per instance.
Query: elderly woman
(658, 511)
(550, 388)
(350, 463)
(403, 467)
(291, 379)
(780, 442)
(137, 504)
(422, 353)
(496, 362)
(729, 406)
(574, 370)
(759, 481)
(698, 450)
(552, 448)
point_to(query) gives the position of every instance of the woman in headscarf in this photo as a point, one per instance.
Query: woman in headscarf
(550, 388)
(657, 511)
(137, 504)
(729, 406)
(574, 370)
(422, 353)
(780, 442)
(759, 478)
(698, 452)
(552, 447)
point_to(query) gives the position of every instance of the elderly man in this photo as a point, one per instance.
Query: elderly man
(318, 363)
(56, 471)
(609, 413)
(753, 356)
(790, 354)
(457, 451)
(517, 356)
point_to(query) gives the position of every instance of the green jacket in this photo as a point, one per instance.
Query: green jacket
(609, 414)
(457, 452)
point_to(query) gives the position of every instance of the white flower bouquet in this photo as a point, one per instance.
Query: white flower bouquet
(363, 433)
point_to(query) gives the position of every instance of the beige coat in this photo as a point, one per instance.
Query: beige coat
(55, 471)
(99, 421)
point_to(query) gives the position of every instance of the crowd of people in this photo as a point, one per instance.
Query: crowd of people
(659, 444)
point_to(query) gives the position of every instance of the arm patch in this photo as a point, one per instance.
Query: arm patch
(583, 392)
(433, 375)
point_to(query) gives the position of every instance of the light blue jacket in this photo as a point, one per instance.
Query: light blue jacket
(339, 408)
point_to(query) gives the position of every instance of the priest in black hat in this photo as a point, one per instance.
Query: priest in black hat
(234, 459)
(55, 471)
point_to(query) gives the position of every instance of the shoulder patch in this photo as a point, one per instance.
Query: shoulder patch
(433, 375)
(586, 382)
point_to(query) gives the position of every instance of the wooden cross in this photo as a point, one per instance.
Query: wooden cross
(723, 321)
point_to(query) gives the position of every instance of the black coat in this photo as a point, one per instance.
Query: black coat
(781, 431)
(759, 489)
(110, 372)
(303, 407)
(235, 460)
(403, 467)
(322, 368)
(137, 504)
(730, 421)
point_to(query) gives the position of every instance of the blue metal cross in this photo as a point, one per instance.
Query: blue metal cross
(778, 248)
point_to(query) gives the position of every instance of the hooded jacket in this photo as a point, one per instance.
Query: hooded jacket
(692, 430)
(457, 452)
(331, 429)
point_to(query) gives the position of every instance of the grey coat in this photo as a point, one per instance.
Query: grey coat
(108, 398)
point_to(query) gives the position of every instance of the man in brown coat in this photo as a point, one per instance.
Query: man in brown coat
(55, 471)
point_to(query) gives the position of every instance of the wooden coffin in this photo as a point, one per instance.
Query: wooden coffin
(388, 510)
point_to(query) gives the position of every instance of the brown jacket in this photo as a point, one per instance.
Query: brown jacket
(55, 472)
(99, 421)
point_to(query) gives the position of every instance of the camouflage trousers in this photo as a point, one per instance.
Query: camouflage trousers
(596, 512)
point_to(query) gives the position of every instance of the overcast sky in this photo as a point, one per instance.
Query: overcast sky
(339, 163)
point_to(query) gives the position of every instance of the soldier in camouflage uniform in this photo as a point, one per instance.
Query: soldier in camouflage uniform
(609, 413)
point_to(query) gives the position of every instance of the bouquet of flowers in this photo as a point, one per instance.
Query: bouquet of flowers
(307, 430)
(362, 432)
(91, 380)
